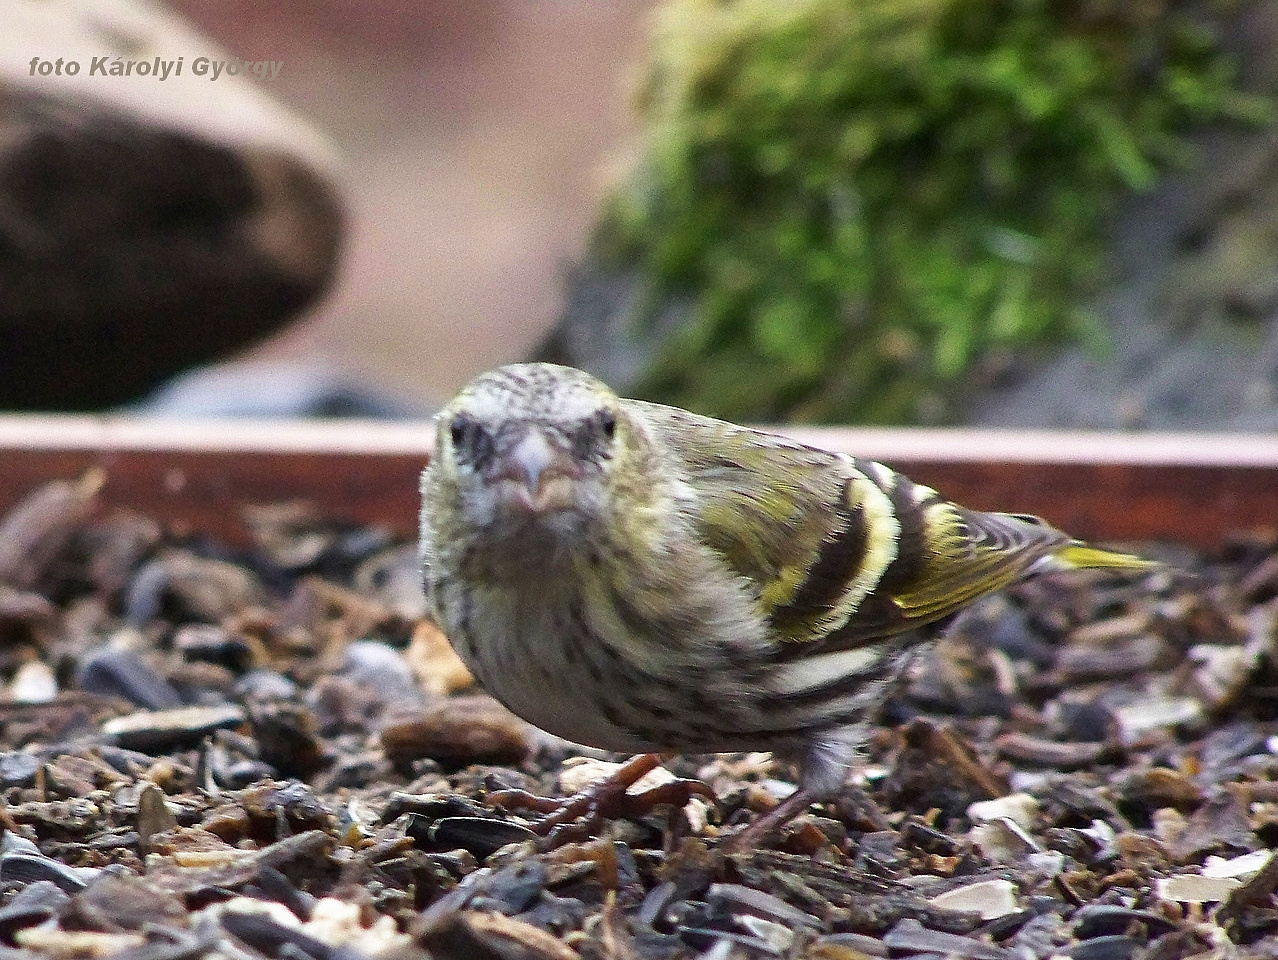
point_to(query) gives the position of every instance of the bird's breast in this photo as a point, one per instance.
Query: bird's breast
(589, 667)
(529, 650)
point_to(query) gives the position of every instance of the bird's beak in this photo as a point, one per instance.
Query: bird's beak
(537, 473)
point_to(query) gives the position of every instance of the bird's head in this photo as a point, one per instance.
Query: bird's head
(538, 451)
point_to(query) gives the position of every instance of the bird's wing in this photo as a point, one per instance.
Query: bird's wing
(844, 551)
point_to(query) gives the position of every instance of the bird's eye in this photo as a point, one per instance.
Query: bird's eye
(458, 430)
(471, 441)
(592, 439)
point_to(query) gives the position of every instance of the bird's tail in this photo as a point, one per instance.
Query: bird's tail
(1076, 555)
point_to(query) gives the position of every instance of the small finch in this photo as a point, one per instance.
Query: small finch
(638, 578)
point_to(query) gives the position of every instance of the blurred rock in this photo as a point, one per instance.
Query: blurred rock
(1186, 319)
(459, 730)
(604, 327)
(273, 390)
(1189, 312)
(148, 222)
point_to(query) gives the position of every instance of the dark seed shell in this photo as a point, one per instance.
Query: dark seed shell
(482, 836)
(30, 868)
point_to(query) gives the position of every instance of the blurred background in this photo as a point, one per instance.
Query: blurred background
(833, 210)
(475, 139)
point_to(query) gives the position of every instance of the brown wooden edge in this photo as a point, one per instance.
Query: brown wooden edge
(1193, 489)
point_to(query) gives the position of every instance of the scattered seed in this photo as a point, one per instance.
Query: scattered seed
(156, 730)
(1193, 888)
(275, 741)
(990, 899)
(1020, 808)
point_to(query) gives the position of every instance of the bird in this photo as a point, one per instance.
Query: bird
(638, 578)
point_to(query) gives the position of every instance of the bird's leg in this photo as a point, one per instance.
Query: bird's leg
(606, 798)
(603, 796)
(761, 828)
(823, 767)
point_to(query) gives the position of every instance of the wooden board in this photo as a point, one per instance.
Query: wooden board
(1193, 489)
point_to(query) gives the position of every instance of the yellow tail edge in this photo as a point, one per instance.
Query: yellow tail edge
(1080, 556)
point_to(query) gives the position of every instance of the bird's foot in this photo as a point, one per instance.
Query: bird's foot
(761, 828)
(754, 834)
(607, 798)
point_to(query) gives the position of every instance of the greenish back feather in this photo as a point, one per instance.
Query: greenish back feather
(843, 552)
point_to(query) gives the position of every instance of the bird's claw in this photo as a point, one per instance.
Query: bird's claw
(607, 798)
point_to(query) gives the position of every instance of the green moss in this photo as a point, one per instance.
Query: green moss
(864, 198)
